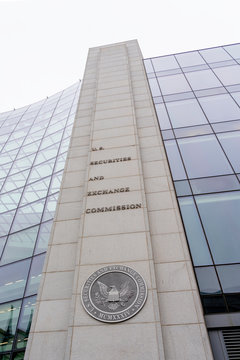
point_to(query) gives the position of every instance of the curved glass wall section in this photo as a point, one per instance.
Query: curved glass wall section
(197, 100)
(33, 148)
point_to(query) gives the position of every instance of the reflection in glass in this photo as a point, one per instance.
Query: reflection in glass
(213, 304)
(203, 157)
(28, 215)
(9, 313)
(207, 280)
(220, 217)
(20, 245)
(196, 239)
(13, 280)
(185, 113)
(35, 275)
(25, 321)
(220, 108)
(233, 302)
(229, 276)
(43, 237)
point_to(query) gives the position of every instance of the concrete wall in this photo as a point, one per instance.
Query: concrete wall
(116, 113)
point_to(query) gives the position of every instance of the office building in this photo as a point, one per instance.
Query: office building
(149, 195)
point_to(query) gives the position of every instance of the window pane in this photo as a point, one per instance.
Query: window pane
(226, 126)
(190, 59)
(162, 117)
(229, 75)
(213, 304)
(19, 245)
(148, 66)
(177, 169)
(196, 239)
(203, 79)
(25, 321)
(207, 280)
(185, 113)
(13, 279)
(193, 131)
(8, 322)
(165, 63)
(203, 157)
(182, 188)
(220, 108)
(231, 145)
(154, 87)
(229, 276)
(215, 54)
(43, 237)
(35, 275)
(215, 184)
(220, 217)
(233, 50)
(173, 84)
(236, 96)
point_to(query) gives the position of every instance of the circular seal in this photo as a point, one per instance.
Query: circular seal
(114, 293)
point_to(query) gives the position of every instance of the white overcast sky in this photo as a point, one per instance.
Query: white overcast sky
(44, 43)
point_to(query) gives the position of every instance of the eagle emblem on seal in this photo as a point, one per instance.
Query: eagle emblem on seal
(111, 297)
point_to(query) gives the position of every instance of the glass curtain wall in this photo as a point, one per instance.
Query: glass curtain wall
(197, 101)
(33, 148)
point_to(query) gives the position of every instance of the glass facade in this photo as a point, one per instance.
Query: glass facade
(33, 147)
(197, 101)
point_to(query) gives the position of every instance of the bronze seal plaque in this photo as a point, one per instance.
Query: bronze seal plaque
(114, 293)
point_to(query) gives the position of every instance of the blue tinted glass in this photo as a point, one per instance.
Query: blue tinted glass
(231, 144)
(196, 239)
(220, 217)
(215, 184)
(182, 188)
(207, 280)
(177, 169)
(203, 156)
(229, 276)
(35, 275)
(185, 113)
(220, 108)
(13, 279)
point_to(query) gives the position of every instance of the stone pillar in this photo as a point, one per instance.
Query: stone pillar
(116, 144)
